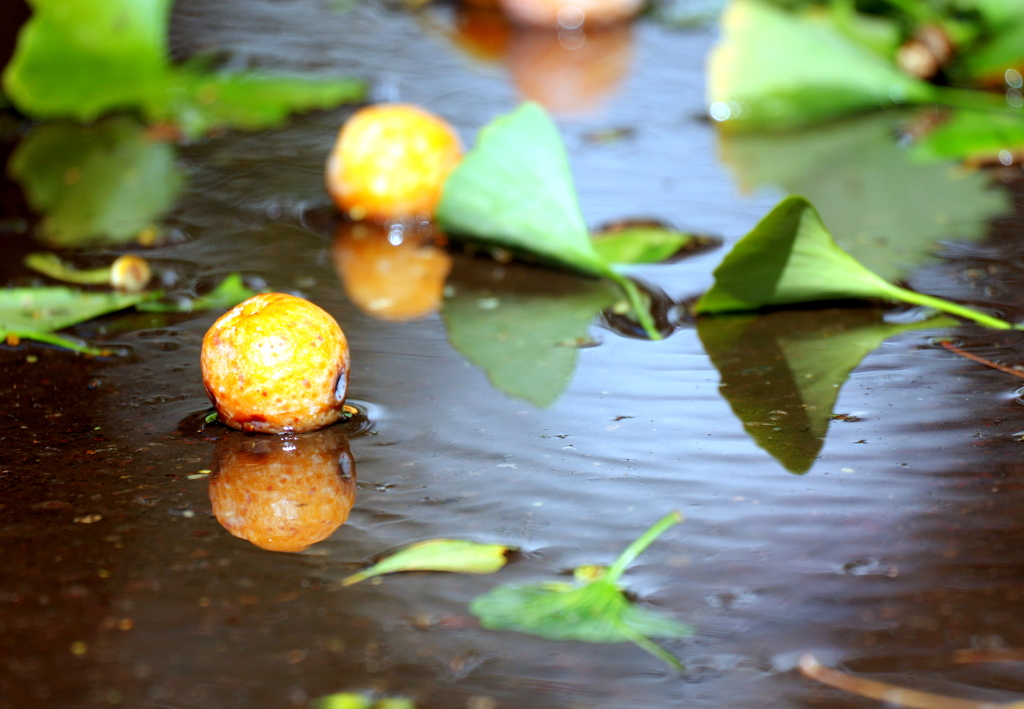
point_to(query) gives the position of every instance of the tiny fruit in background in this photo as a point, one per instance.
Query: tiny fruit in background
(571, 14)
(130, 273)
(276, 363)
(390, 163)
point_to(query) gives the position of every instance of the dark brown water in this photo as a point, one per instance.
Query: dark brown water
(901, 544)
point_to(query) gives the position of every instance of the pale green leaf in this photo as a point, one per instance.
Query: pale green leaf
(775, 69)
(515, 189)
(352, 700)
(885, 208)
(596, 611)
(50, 265)
(526, 339)
(643, 242)
(790, 257)
(454, 555)
(782, 372)
(102, 183)
(974, 136)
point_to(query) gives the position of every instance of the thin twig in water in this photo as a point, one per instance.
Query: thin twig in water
(890, 693)
(981, 360)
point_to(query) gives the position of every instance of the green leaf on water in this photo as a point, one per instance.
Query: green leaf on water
(103, 183)
(84, 59)
(525, 338)
(229, 292)
(975, 136)
(37, 313)
(778, 70)
(50, 265)
(782, 372)
(594, 610)
(884, 207)
(515, 189)
(643, 242)
(455, 555)
(790, 257)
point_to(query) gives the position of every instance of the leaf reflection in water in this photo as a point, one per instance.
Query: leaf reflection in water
(781, 372)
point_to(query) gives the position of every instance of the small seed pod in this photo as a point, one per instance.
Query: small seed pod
(276, 364)
(130, 273)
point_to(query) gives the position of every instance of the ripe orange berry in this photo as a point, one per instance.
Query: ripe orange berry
(283, 493)
(276, 363)
(390, 162)
(396, 282)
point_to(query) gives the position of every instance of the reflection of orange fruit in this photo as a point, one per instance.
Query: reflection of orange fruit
(482, 32)
(571, 14)
(283, 493)
(276, 363)
(390, 281)
(390, 162)
(570, 73)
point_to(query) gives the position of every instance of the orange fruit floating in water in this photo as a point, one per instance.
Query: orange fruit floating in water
(276, 363)
(390, 162)
(388, 280)
(283, 493)
(571, 14)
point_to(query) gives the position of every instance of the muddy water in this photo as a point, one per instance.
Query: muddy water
(900, 544)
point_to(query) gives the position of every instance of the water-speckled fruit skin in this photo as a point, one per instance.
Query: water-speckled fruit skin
(275, 364)
(283, 493)
(395, 282)
(390, 162)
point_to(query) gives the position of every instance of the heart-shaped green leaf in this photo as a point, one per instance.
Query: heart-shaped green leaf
(790, 257)
(596, 611)
(455, 555)
(781, 372)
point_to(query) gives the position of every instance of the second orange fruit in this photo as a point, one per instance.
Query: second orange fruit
(390, 162)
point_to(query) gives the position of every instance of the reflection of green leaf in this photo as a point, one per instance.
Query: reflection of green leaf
(351, 700)
(775, 69)
(595, 612)
(84, 59)
(781, 372)
(524, 339)
(100, 183)
(974, 136)
(883, 207)
(642, 243)
(228, 293)
(790, 257)
(439, 555)
(36, 313)
(515, 189)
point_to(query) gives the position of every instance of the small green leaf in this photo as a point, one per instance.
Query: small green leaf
(642, 242)
(102, 183)
(515, 189)
(229, 292)
(790, 257)
(596, 611)
(439, 555)
(782, 372)
(775, 69)
(975, 136)
(35, 313)
(524, 338)
(50, 265)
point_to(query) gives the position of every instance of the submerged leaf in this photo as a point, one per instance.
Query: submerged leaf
(515, 189)
(229, 292)
(782, 372)
(455, 555)
(643, 242)
(790, 257)
(596, 611)
(887, 209)
(103, 183)
(775, 69)
(524, 339)
(36, 313)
